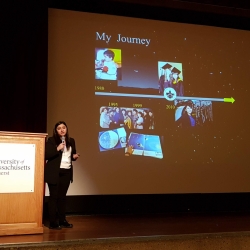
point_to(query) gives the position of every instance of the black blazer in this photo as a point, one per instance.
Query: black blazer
(53, 160)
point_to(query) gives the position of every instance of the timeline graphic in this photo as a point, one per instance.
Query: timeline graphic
(226, 99)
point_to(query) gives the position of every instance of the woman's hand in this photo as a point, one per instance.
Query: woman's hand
(76, 156)
(61, 146)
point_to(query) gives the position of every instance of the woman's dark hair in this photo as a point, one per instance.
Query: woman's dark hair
(187, 104)
(57, 138)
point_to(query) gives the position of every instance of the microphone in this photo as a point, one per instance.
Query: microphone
(63, 141)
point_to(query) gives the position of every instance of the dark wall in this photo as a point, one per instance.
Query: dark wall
(157, 203)
(228, 14)
(23, 72)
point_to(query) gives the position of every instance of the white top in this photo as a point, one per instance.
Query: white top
(66, 158)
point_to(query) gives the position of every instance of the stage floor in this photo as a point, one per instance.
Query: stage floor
(123, 227)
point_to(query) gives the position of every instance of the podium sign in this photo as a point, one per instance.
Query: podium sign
(17, 167)
(21, 182)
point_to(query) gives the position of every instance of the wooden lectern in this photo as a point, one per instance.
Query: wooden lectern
(21, 182)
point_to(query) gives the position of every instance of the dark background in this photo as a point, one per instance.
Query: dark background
(23, 74)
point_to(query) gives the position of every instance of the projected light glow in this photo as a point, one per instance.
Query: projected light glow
(171, 96)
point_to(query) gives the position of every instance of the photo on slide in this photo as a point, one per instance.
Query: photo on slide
(192, 113)
(144, 145)
(108, 64)
(130, 118)
(112, 139)
(170, 76)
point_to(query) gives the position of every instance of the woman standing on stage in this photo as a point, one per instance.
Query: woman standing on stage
(60, 151)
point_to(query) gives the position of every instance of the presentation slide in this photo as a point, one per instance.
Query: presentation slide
(154, 106)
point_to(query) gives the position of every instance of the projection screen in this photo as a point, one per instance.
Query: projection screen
(155, 107)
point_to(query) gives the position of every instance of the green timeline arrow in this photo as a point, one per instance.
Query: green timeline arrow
(161, 96)
(229, 100)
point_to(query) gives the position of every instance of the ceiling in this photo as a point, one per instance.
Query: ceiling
(226, 7)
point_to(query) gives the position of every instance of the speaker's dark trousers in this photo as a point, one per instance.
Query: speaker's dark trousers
(57, 198)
